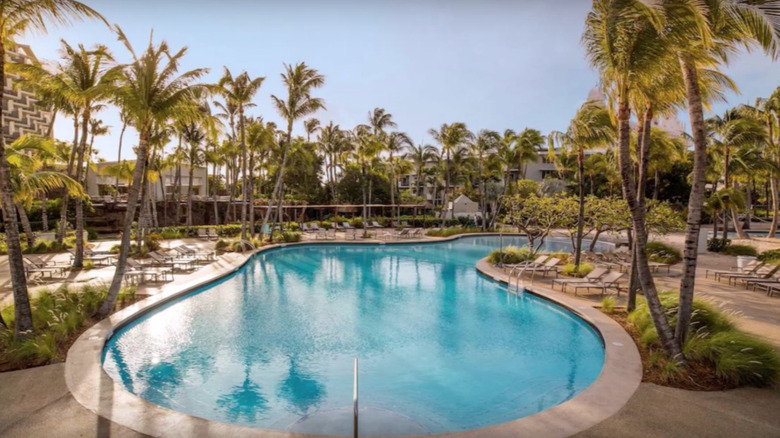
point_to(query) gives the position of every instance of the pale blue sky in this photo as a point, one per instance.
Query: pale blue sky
(492, 64)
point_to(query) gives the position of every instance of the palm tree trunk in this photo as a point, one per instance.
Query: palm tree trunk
(119, 160)
(748, 207)
(214, 195)
(363, 186)
(244, 176)
(665, 333)
(25, 222)
(482, 207)
(775, 200)
(688, 280)
(190, 174)
(23, 326)
(279, 176)
(62, 230)
(643, 144)
(581, 210)
(44, 213)
(445, 200)
(124, 248)
(78, 259)
(656, 185)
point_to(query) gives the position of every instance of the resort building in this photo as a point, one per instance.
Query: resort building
(100, 185)
(22, 113)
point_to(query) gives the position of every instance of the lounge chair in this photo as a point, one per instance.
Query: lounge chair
(610, 280)
(203, 234)
(347, 226)
(763, 273)
(166, 260)
(593, 276)
(539, 261)
(321, 234)
(551, 265)
(396, 234)
(195, 253)
(213, 233)
(763, 283)
(98, 259)
(314, 227)
(416, 233)
(375, 224)
(748, 268)
(31, 267)
(136, 270)
(331, 234)
(350, 233)
(763, 270)
(304, 228)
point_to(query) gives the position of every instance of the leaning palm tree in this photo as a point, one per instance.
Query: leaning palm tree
(240, 91)
(703, 34)
(151, 92)
(311, 126)
(300, 81)
(17, 17)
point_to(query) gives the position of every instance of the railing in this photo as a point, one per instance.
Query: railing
(355, 399)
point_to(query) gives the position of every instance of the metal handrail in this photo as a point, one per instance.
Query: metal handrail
(355, 399)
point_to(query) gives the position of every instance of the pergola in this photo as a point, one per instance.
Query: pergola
(299, 211)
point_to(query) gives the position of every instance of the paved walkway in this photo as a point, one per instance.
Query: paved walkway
(36, 402)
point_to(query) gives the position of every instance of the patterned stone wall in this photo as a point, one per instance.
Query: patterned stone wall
(21, 113)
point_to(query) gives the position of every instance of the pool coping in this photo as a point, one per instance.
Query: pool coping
(94, 389)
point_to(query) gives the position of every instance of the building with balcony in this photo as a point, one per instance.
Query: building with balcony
(22, 114)
(99, 185)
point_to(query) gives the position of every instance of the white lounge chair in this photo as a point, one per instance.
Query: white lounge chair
(593, 276)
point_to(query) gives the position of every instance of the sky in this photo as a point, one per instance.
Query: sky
(493, 64)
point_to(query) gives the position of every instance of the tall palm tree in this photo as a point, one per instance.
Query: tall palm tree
(366, 147)
(622, 41)
(331, 144)
(704, 34)
(17, 17)
(769, 111)
(485, 144)
(395, 143)
(240, 91)
(96, 128)
(311, 126)
(450, 138)
(590, 128)
(300, 81)
(420, 156)
(152, 91)
(528, 143)
(194, 137)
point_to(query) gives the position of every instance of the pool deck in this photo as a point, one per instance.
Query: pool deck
(38, 401)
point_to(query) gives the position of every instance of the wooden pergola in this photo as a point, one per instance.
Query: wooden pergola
(299, 211)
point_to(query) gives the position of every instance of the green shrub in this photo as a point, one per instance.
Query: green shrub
(570, 270)
(153, 241)
(662, 253)
(717, 245)
(768, 255)
(92, 235)
(734, 356)
(740, 250)
(510, 255)
(287, 236)
(452, 231)
(608, 304)
(221, 244)
(356, 222)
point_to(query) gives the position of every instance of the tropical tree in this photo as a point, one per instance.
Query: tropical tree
(420, 156)
(450, 137)
(17, 17)
(240, 91)
(395, 144)
(485, 144)
(590, 128)
(311, 126)
(300, 81)
(151, 91)
(528, 144)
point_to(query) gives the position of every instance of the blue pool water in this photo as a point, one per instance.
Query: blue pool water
(441, 347)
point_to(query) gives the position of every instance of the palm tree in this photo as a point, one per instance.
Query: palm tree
(590, 128)
(151, 92)
(240, 91)
(194, 137)
(528, 144)
(622, 42)
(331, 144)
(123, 118)
(96, 128)
(395, 144)
(420, 156)
(769, 111)
(486, 143)
(16, 18)
(703, 34)
(366, 147)
(300, 81)
(450, 137)
(311, 126)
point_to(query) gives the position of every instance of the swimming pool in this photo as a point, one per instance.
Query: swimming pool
(441, 347)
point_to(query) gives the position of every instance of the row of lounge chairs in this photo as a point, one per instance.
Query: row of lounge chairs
(600, 278)
(755, 275)
(208, 233)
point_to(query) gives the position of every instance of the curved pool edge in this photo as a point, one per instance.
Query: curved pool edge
(94, 389)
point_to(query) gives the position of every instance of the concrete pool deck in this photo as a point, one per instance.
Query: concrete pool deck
(38, 405)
